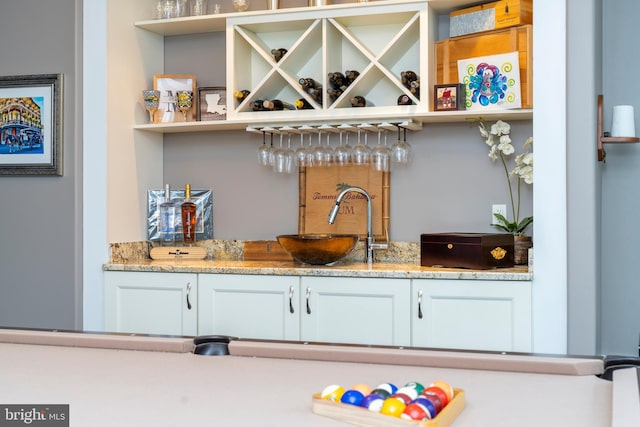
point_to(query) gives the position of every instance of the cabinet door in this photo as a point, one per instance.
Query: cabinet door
(151, 303)
(355, 310)
(249, 306)
(472, 314)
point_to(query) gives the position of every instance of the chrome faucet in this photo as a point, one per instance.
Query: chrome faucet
(370, 244)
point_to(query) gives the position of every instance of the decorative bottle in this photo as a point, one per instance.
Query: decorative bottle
(188, 209)
(167, 219)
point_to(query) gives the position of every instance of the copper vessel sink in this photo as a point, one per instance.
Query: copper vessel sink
(318, 249)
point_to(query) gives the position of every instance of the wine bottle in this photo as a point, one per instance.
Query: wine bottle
(303, 104)
(276, 105)
(258, 105)
(358, 101)
(350, 76)
(337, 80)
(334, 94)
(278, 53)
(404, 100)
(309, 83)
(188, 209)
(316, 94)
(241, 95)
(407, 78)
(167, 219)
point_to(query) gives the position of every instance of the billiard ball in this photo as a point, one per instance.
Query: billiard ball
(362, 388)
(435, 400)
(391, 388)
(332, 393)
(413, 411)
(444, 386)
(381, 392)
(437, 391)
(402, 397)
(428, 406)
(352, 397)
(409, 391)
(416, 385)
(372, 402)
(393, 407)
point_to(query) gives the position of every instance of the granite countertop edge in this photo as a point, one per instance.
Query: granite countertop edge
(288, 268)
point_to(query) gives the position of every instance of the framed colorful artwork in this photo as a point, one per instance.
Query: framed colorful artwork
(31, 125)
(492, 82)
(449, 97)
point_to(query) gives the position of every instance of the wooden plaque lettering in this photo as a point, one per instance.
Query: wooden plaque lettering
(319, 189)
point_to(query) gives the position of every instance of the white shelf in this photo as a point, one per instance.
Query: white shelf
(441, 117)
(217, 23)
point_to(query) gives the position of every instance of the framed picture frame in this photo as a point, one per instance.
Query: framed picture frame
(449, 97)
(169, 85)
(212, 103)
(31, 125)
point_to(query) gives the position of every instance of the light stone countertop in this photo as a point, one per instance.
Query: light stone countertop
(134, 257)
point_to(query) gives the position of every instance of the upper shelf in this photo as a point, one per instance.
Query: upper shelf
(432, 117)
(217, 22)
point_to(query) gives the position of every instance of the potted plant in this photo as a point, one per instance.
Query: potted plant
(498, 138)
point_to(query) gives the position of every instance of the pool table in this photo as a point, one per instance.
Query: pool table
(131, 380)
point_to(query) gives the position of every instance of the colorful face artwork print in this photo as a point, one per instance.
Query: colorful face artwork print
(492, 82)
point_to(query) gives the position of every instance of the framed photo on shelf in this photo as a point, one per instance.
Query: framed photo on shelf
(449, 97)
(212, 103)
(31, 126)
(169, 85)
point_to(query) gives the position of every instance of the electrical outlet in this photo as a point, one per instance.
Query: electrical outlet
(498, 209)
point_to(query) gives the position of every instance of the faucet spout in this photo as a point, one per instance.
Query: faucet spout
(369, 242)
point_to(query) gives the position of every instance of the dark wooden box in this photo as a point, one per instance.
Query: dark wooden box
(479, 251)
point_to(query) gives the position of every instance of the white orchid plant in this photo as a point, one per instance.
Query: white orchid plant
(498, 138)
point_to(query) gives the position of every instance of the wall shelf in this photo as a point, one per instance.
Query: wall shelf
(602, 139)
(440, 117)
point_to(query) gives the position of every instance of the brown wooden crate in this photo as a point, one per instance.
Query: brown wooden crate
(507, 12)
(519, 38)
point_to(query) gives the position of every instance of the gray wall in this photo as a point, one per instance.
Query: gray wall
(620, 297)
(41, 219)
(450, 186)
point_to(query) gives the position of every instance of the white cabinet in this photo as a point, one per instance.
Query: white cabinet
(249, 306)
(472, 314)
(355, 310)
(151, 303)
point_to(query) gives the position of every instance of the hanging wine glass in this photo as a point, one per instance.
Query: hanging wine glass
(280, 158)
(185, 102)
(151, 99)
(302, 154)
(290, 157)
(265, 151)
(320, 154)
(342, 153)
(381, 154)
(361, 153)
(401, 150)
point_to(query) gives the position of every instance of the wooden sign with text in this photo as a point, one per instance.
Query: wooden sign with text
(319, 189)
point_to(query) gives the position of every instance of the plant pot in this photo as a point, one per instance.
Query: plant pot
(521, 246)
